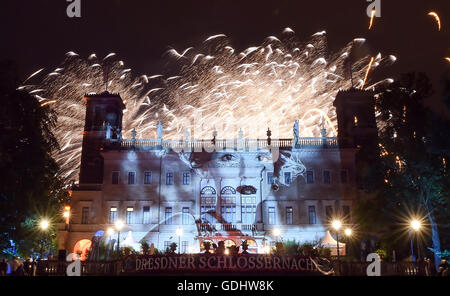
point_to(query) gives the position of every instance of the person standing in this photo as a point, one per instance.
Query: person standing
(3, 267)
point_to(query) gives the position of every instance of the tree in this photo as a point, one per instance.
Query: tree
(410, 176)
(29, 186)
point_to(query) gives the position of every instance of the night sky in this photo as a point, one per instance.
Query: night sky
(37, 34)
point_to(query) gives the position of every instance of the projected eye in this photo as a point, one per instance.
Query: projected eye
(227, 157)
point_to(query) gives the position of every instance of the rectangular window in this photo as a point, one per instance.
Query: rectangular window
(309, 177)
(169, 179)
(186, 178)
(326, 177)
(289, 216)
(329, 212)
(131, 177)
(312, 214)
(130, 214)
(146, 215)
(287, 178)
(344, 177)
(186, 216)
(84, 215)
(115, 178)
(248, 214)
(184, 247)
(112, 215)
(166, 245)
(271, 216)
(346, 214)
(229, 214)
(168, 216)
(270, 179)
(148, 178)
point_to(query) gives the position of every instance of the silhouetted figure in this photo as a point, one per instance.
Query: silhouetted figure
(3, 267)
(220, 250)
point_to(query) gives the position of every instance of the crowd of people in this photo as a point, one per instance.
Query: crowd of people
(18, 267)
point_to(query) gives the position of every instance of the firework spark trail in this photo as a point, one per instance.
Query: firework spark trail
(270, 85)
(437, 18)
(368, 71)
(372, 18)
(447, 59)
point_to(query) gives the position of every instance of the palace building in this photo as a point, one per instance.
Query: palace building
(189, 191)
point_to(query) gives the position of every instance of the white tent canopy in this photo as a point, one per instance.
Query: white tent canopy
(129, 242)
(329, 242)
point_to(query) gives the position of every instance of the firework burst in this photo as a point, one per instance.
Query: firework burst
(216, 87)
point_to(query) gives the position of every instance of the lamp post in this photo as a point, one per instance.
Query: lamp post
(179, 232)
(277, 233)
(43, 225)
(337, 224)
(119, 225)
(415, 227)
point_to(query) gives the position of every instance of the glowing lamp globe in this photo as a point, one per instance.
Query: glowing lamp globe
(336, 224)
(416, 225)
(119, 225)
(44, 224)
(348, 232)
(277, 232)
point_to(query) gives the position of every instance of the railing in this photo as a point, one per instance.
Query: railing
(387, 268)
(227, 227)
(223, 144)
(52, 268)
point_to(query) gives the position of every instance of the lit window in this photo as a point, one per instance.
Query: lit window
(309, 177)
(115, 178)
(186, 178)
(312, 214)
(289, 216)
(326, 177)
(169, 179)
(130, 212)
(112, 215)
(148, 178)
(186, 216)
(131, 177)
(271, 215)
(146, 215)
(168, 216)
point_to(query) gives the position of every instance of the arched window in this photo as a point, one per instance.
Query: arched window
(208, 200)
(228, 190)
(208, 190)
(82, 248)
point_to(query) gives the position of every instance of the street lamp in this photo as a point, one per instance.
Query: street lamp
(179, 232)
(277, 233)
(415, 225)
(119, 225)
(44, 224)
(348, 232)
(337, 224)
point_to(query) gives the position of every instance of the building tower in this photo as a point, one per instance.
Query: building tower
(103, 119)
(355, 111)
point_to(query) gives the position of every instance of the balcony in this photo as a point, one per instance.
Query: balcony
(229, 227)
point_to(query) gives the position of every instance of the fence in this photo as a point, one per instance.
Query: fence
(113, 268)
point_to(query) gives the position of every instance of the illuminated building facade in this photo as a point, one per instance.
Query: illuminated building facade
(259, 190)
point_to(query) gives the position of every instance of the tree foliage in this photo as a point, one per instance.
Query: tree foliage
(410, 177)
(29, 186)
